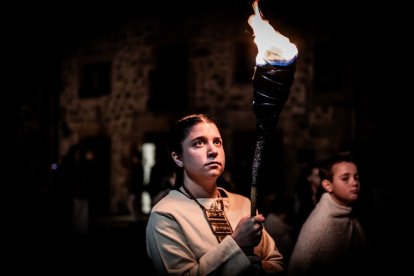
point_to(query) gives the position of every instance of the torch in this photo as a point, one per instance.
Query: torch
(272, 79)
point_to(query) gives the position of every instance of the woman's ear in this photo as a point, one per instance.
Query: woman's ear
(177, 159)
(327, 185)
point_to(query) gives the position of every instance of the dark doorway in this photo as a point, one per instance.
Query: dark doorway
(98, 150)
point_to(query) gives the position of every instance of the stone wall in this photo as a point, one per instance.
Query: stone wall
(307, 122)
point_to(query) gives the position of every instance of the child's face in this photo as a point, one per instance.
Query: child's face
(345, 184)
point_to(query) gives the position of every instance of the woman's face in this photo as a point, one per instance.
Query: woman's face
(203, 154)
(345, 184)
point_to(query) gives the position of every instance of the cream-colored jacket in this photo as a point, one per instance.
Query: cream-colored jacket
(180, 241)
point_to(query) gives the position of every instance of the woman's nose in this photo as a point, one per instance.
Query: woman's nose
(212, 152)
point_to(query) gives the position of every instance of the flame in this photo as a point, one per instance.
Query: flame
(272, 46)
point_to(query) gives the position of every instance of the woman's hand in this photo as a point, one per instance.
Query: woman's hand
(248, 232)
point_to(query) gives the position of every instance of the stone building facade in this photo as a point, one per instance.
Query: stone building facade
(119, 90)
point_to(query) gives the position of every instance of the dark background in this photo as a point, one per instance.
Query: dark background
(373, 38)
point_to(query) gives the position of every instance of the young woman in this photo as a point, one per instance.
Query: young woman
(199, 228)
(331, 241)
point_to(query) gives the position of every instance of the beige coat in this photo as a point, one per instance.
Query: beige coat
(180, 241)
(331, 242)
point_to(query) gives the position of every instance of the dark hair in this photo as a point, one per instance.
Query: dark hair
(182, 127)
(179, 132)
(325, 171)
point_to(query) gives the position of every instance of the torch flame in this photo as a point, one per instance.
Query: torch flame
(273, 48)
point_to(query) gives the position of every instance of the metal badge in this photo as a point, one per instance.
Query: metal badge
(219, 223)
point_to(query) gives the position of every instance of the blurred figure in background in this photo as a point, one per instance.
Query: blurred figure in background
(307, 193)
(135, 185)
(279, 216)
(167, 184)
(74, 172)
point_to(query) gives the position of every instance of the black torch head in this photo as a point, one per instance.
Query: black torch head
(271, 84)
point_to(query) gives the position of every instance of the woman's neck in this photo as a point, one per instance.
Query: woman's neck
(198, 190)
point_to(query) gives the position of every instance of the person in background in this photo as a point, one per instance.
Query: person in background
(278, 223)
(307, 193)
(199, 228)
(167, 185)
(135, 185)
(74, 174)
(332, 241)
